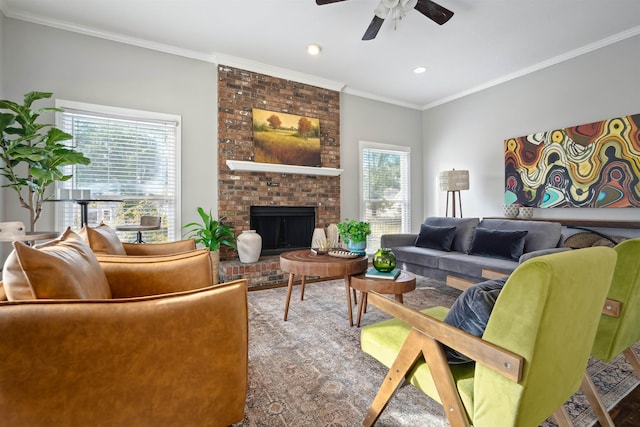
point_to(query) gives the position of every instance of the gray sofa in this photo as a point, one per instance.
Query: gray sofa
(463, 251)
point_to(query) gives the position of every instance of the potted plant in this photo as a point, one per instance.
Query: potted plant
(32, 158)
(212, 234)
(354, 234)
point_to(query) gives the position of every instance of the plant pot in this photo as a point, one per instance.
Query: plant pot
(357, 247)
(249, 246)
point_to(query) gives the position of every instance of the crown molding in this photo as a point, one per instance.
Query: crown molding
(283, 73)
(540, 66)
(381, 98)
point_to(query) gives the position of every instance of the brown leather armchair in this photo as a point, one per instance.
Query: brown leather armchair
(176, 356)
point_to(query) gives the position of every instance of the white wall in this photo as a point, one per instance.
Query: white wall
(363, 119)
(469, 133)
(87, 69)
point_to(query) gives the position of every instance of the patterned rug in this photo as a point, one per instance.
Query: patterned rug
(310, 371)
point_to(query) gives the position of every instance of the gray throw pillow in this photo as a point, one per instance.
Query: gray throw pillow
(435, 237)
(498, 244)
(471, 311)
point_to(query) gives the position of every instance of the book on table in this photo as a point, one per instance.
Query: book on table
(375, 274)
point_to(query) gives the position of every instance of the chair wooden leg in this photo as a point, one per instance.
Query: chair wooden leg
(445, 384)
(633, 359)
(562, 417)
(409, 353)
(591, 393)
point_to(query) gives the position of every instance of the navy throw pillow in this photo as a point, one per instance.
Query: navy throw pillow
(498, 243)
(435, 237)
(471, 311)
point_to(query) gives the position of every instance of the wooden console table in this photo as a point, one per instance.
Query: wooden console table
(581, 222)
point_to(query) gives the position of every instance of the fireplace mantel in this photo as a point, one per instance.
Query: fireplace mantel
(242, 165)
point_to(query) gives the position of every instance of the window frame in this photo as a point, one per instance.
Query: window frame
(173, 232)
(393, 149)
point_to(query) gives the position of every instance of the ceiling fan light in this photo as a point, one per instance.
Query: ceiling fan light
(313, 49)
(381, 11)
(390, 4)
(419, 70)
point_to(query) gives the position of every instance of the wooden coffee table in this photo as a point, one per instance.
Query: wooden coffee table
(305, 263)
(405, 282)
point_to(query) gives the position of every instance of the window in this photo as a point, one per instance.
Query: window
(384, 186)
(134, 157)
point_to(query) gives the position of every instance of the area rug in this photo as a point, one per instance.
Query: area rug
(310, 371)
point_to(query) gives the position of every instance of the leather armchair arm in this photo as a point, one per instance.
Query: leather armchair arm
(177, 359)
(137, 249)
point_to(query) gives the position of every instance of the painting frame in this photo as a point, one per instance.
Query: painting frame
(285, 138)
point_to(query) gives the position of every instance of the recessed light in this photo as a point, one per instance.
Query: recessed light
(314, 49)
(419, 70)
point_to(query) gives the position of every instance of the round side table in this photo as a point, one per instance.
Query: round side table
(405, 282)
(304, 263)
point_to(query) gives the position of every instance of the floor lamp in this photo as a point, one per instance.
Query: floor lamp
(452, 182)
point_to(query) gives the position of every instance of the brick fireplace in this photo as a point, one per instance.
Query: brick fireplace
(238, 92)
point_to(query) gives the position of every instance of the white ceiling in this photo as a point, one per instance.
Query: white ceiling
(485, 43)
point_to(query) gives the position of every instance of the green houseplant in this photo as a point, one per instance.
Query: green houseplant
(32, 153)
(212, 234)
(354, 233)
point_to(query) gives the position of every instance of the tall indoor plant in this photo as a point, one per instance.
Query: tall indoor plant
(211, 234)
(354, 234)
(32, 153)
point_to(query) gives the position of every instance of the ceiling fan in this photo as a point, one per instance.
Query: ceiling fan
(398, 9)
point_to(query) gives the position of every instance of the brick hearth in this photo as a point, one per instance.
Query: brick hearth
(265, 272)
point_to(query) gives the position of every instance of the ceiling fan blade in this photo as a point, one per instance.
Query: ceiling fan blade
(321, 2)
(373, 29)
(434, 11)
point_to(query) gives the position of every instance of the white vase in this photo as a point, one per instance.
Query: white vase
(318, 237)
(332, 235)
(249, 246)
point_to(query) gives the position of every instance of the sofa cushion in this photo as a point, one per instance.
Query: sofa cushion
(415, 255)
(435, 237)
(134, 276)
(102, 240)
(541, 234)
(65, 268)
(472, 265)
(464, 230)
(498, 243)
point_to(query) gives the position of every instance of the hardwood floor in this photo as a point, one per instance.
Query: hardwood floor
(627, 412)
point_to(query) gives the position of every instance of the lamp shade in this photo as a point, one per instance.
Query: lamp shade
(454, 180)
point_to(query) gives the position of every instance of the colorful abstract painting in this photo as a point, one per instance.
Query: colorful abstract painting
(595, 165)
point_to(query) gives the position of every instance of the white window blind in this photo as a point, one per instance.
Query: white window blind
(134, 157)
(385, 190)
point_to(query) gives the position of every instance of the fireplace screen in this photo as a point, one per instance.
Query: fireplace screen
(283, 228)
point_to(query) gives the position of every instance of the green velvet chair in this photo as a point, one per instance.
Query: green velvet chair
(619, 326)
(530, 360)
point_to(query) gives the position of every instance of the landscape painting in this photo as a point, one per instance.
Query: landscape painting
(285, 139)
(595, 165)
